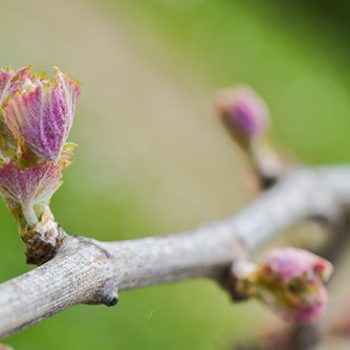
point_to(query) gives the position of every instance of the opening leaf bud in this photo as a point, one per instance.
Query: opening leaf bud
(291, 281)
(36, 115)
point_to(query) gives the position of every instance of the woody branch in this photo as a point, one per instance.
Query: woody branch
(88, 271)
(36, 115)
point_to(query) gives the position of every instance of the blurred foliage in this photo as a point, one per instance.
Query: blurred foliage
(294, 53)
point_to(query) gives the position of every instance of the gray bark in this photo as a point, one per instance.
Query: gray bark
(91, 272)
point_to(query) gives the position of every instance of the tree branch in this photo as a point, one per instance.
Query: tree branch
(91, 272)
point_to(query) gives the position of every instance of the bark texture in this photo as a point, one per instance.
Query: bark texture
(92, 272)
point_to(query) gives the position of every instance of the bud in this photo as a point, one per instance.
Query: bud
(36, 115)
(243, 112)
(30, 189)
(39, 112)
(246, 117)
(291, 281)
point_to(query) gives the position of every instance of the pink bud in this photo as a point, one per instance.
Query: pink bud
(291, 281)
(41, 111)
(36, 115)
(242, 111)
(30, 188)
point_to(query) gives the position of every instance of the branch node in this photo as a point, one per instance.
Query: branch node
(107, 291)
(107, 296)
(43, 241)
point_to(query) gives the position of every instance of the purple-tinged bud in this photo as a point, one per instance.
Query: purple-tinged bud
(291, 282)
(243, 112)
(246, 117)
(36, 115)
(31, 189)
(40, 112)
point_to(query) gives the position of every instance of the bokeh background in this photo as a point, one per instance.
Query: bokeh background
(152, 156)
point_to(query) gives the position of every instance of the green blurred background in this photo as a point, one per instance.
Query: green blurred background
(152, 157)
